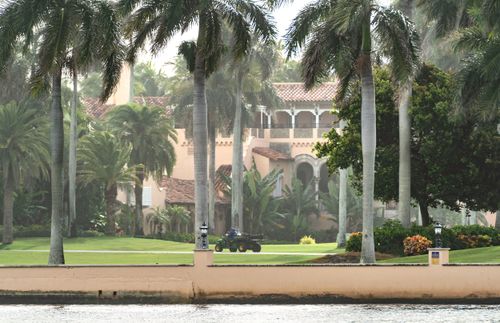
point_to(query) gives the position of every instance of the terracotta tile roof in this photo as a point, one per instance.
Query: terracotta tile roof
(271, 153)
(296, 92)
(181, 191)
(96, 109)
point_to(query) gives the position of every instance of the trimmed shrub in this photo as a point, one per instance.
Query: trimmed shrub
(353, 244)
(389, 237)
(307, 240)
(416, 245)
(90, 234)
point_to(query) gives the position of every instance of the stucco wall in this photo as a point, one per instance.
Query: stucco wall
(185, 283)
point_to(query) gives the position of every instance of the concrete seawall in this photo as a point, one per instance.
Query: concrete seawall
(204, 282)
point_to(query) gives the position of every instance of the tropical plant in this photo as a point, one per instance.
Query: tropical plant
(157, 220)
(337, 35)
(180, 215)
(150, 133)
(23, 154)
(299, 202)
(104, 159)
(160, 21)
(148, 81)
(82, 28)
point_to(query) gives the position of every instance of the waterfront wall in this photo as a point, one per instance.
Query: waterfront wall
(206, 282)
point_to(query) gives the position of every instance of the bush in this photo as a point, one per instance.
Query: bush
(416, 245)
(475, 241)
(307, 240)
(389, 237)
(354, 242)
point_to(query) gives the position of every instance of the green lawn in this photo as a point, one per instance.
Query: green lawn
(19, 253)
(476, 255)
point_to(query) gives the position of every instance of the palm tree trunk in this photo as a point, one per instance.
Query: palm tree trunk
(56, 255)
(73, 137)
(404, 207)
(368, 143)
(211, 179)
(342, 202)
(8, 206)
(110, 210)
(200, 134)
(137, 226)
(342, 208)
(237, 171)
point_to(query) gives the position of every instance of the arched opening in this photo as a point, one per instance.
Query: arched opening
(282, 120)
(305, 119)
(324, 178)
(328, 120)
(305, 173)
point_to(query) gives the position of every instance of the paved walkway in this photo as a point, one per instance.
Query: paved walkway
(179, 252)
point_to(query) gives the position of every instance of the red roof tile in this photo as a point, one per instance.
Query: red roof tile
(181, 191)
(296, 92)
(271, 153)
(96, 109)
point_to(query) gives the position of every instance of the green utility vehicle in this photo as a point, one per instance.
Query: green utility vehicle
(234, 240)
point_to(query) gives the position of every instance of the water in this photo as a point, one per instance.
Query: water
(250, 313)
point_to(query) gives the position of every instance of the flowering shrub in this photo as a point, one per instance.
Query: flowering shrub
(354, 242)
(475, 241)
(416, 245)
(307, 240)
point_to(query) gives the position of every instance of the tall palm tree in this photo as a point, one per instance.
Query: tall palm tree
(161, 20)
(104, 160)
(220, 98)
(58, 23)
(150, 133)
(261, 56)
(23, 154)
(338, 36)
(405, 92)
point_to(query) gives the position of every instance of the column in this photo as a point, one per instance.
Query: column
(269, 121)
(292, 114)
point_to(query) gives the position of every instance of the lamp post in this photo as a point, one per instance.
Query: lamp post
(437, 232)
(204, 235)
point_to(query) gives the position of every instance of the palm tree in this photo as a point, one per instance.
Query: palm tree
(261, 56)
(160, 21)
(298, 203)
(157, 219)
(58, 23)
(23, 154)
(180, 215)
(104, 160)
(337, 36)
(150, 133)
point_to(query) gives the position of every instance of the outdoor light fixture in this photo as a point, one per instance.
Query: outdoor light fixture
(204, 235)
(437, 231)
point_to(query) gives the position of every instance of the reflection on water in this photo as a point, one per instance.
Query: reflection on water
(251, 313)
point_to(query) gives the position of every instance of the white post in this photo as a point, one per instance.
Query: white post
(269, 121)
(292, 113)
(317, 119)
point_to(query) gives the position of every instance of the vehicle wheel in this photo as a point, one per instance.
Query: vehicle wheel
(256, 248)
(218, 248)
(242, 248)
(233, 248)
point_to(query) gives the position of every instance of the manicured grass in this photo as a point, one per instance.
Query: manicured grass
(476, 255)
(12, 254)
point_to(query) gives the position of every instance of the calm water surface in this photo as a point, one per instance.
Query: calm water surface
(251, 313)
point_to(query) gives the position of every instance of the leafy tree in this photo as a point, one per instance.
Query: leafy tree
(243, 18)
(60, 25)
(337, 36)
(151, 135)
(104, 160)
(299, 202)
(23, 154)
(451, 160)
